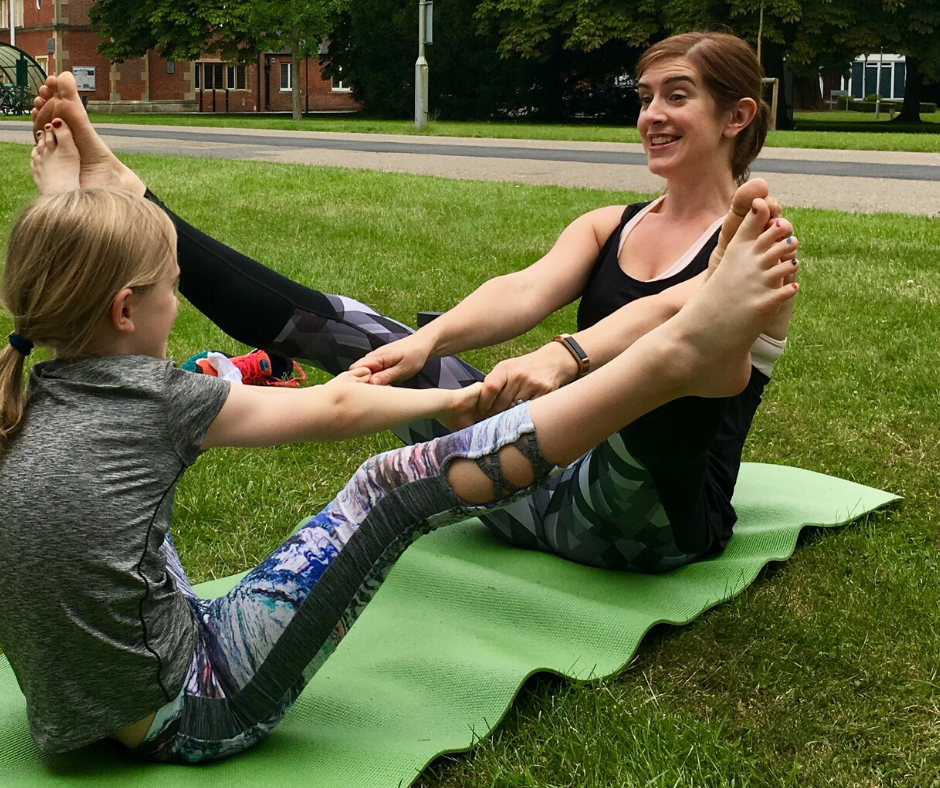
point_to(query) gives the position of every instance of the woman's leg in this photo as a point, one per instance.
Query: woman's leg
(262, 308)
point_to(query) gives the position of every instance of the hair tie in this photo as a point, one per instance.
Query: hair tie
(20, 344)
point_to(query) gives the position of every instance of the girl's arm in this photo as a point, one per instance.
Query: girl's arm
(343, 408)
(504, 307)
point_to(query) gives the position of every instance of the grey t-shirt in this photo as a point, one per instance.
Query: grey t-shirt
(93, 625)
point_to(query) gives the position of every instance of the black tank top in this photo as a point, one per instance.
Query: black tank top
(691, 446)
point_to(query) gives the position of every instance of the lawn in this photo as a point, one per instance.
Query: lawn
(811, 132)
(824, 672)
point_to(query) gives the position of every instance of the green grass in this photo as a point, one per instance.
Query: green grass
(825, 672)
(840, 117)
(811, 132)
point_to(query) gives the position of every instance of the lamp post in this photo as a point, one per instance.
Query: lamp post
(12, 26)
(421, 70)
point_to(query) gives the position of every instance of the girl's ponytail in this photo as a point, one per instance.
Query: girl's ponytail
(11, 394)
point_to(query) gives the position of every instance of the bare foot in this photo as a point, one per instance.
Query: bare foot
(54, 161)
(59, 98)
(721, 321)
(756, 189)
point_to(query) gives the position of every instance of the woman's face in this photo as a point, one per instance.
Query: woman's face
(680, 126)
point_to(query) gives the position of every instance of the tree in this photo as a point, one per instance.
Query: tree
(237, 29)
(299, 25)
(376, 43)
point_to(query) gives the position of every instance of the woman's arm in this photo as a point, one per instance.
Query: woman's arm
(552, 366)
(343, 408)
(503, 307)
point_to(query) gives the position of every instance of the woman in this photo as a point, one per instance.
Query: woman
(658, 494)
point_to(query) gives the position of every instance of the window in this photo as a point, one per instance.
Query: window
(43, 61)
(5, 13)
(235, 78)
(210, 76)
(285, 76)
(338, 84)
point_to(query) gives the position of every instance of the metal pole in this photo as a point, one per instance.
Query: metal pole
(881, 57)
(421, 71)
(760, 31)
(12, 26)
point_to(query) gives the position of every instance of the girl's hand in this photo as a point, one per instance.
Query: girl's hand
(463, 410)
(355, 375)
(395, 361)
(527, 377)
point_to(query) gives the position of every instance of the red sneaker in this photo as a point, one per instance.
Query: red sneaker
(259, 368)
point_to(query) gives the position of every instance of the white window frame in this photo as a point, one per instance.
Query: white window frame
(231, 78)
(43, 61)
(290, 76)
(338, 85)
(5, 13)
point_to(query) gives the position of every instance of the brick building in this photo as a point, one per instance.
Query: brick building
(58, 35)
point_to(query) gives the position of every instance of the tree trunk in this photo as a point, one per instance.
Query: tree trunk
(775, 66)
(296, 107)
(910, 111)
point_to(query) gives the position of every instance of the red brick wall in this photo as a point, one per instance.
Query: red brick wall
(317, 94)
(80, 48)
(75, 12)
(170, 87)
(147, 79)
(131, 81)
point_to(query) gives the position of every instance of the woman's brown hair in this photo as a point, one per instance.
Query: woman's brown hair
(730, 71)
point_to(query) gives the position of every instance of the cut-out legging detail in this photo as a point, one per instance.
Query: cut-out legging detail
(258, 645)
(604, 510)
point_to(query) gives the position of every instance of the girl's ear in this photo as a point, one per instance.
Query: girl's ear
(121, 313)
(740, 117)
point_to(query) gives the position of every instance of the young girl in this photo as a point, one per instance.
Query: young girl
(109, 639)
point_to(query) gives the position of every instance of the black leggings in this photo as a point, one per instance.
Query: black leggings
(648, 499)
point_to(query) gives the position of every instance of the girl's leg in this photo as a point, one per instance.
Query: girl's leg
(262, 642)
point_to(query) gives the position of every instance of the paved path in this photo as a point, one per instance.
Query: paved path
(867, 181)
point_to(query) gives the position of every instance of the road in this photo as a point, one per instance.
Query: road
(864, 181)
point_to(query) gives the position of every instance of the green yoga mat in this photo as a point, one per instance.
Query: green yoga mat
(439, 655)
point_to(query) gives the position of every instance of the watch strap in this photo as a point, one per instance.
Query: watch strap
(577, 352)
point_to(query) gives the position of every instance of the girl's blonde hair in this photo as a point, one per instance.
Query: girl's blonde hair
(68, 256)
(731, 71)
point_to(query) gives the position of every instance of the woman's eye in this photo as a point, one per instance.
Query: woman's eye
(677, 96)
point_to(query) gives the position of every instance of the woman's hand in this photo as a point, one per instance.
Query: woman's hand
(463, 410)
(395, 361)
(527, 377)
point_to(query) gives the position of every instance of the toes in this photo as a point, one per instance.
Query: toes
(63, 134)
(48, 137)
(756, 189)
(776, 210)
(740, 206)
(66, 87)
(782, 252)
(752, 226)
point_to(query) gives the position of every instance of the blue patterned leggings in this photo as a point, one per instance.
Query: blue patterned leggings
(260, 644)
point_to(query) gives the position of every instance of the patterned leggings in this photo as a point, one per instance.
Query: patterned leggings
(604, 510)
(258, 645)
